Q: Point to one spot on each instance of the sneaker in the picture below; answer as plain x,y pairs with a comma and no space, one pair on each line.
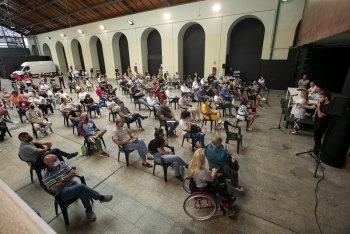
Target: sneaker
240,189
99,116
104,154
91,216
27,121
293,133
144,117
15,122
140,129
249,129
106,198
264,99
72,155
220,122
92,139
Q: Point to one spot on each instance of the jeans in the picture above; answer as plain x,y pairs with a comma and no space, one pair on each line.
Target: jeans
51,101
191,95
142,101
199,136
59,154
22,112
172,126
135,117
98,139
61,80
74,189
138,145
96,108
170,158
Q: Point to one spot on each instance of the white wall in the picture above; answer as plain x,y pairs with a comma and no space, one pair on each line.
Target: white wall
215,25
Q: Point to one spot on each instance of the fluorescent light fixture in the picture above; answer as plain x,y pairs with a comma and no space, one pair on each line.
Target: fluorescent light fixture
216,7
130,22
13,26
48,38
102,27
63,35
284,0
80,31
166,16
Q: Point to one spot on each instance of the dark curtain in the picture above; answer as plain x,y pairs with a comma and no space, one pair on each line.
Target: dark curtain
154,57
124,53
101,60
81,56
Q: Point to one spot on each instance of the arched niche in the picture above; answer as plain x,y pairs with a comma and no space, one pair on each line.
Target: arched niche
47,50
120,47
97,57
151,49
61,56
191,48
244,47
77,54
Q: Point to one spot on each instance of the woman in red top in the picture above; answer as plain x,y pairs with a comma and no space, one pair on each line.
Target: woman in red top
156,89
3,110
22,106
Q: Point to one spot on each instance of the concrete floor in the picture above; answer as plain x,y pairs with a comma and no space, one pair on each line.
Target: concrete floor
279,186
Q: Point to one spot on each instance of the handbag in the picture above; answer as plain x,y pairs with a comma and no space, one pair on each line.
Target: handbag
234,165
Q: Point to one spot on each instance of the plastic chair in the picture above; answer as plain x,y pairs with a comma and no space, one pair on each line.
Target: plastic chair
126,152
34,131
163,164
89,144
234,136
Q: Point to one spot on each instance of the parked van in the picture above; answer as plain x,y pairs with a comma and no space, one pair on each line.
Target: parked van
36,67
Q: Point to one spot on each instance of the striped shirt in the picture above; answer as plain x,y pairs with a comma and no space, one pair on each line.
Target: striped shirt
50,177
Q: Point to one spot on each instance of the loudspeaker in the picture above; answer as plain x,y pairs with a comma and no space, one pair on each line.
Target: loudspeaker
339,104
223,66
336,142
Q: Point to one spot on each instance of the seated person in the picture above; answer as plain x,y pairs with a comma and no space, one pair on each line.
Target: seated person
89,84
137,95
6,97
3,110
29,151
74,115
66,107
100,93
156,89
183,103
253,93
244,115
209,114
88,129
127,115
34,116
207,181
225,94
303,83
153,104
164,114
48,95
208,90
156,147
187,128
170,94
123,136
218,156
90,104
190,94
58,178
22,106
316,95
312,88
3,129
111,104
221,104
42,103
161,95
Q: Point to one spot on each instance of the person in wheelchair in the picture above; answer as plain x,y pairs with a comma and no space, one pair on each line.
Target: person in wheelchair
207,181
220,157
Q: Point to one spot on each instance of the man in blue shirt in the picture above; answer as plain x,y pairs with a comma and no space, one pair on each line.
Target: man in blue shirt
225,94
218,156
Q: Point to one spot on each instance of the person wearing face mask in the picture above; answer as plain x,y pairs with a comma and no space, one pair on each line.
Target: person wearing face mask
58,178
156,147
187,129
164,114
111,104
321,118
34,116
123,136
89,103
42,104
31,151
87,128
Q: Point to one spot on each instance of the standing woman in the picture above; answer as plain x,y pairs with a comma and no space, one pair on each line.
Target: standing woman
298,111
156,147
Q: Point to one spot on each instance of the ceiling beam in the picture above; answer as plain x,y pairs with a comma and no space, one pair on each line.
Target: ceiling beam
64,13
75,12
90,8
127,7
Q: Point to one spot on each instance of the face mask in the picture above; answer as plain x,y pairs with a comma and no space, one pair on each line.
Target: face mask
30,139
56,163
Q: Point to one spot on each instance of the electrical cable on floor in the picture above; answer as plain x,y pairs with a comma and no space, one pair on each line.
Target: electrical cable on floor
318,225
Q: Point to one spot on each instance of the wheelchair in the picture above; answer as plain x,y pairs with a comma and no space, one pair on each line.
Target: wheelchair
202,205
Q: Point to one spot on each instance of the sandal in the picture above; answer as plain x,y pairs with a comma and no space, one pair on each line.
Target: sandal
147,164
150,157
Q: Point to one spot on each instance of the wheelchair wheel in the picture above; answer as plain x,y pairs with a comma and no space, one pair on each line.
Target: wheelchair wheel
200,206
186,185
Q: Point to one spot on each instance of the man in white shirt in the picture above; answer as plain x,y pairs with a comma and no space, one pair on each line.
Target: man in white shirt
303,82
186,90
221,104
202,82
195,85
312,88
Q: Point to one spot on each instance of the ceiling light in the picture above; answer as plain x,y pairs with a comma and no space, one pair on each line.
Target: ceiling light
166,16
102,27
48,37
12,26
216,7
63,35
80,31
284,0
130,22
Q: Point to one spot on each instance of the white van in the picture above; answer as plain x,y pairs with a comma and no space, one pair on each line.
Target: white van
36,67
